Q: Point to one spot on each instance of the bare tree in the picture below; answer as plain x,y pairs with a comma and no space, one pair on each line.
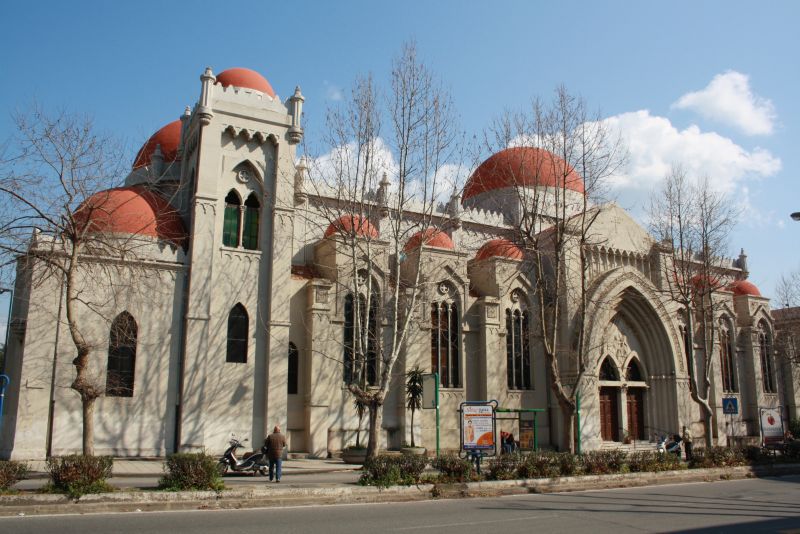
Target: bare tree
383,169
568,156
694,222
52,174
787,319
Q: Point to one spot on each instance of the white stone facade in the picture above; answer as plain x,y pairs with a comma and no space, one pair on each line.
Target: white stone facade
186,396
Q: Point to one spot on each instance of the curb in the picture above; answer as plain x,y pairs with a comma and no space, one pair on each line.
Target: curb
260,497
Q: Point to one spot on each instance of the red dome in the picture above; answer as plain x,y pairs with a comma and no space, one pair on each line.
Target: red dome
131,210
743,287
346,223
433,238
521,166
501,248
700,282
169,137
249,79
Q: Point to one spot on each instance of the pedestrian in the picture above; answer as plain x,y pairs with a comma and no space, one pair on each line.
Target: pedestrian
274,445
687,443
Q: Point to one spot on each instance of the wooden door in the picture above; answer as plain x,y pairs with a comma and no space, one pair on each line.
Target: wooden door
609,417
636,413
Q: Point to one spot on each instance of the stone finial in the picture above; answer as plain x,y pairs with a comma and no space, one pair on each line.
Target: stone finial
206,88
156,163
382,196
295,106
742,263
301,168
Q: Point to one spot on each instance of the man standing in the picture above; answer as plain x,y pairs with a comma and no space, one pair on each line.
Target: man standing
687,443
274,445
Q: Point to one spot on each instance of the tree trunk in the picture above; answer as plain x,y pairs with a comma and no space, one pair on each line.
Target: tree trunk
569,427
412,428
708,421
88,425
374,425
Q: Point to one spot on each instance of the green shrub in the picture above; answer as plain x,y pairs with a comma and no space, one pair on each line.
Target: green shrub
755,455
602,462
76,474
191,471
390,470
452,468
569,464
504,467
794,428
540,464
652,461
717,457
792,450
10,473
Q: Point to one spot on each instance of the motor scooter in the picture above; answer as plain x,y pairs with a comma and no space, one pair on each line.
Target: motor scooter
254,463
673,446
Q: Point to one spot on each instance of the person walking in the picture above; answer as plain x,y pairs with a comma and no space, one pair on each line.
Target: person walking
687,443
274,445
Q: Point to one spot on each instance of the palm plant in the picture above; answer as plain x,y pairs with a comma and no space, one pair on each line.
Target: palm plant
414,394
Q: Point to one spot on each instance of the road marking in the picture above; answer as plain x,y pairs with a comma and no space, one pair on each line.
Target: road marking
471,523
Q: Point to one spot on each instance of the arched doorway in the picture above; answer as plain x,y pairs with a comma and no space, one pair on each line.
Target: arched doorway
609,401
637,388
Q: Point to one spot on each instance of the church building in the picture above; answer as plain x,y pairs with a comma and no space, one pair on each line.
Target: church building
234,323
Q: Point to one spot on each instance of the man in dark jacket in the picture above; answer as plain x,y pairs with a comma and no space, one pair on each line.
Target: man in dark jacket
274,445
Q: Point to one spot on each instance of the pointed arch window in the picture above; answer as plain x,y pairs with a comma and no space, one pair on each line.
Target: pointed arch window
361,339
230,223
608,372
445,346
726,361
292,370
121,356
238,328
252,209
633,372
767,367
518,353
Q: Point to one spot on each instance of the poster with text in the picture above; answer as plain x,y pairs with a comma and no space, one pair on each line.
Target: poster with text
771,423
477,426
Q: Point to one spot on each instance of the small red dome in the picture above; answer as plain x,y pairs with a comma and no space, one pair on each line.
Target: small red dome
433,237
131,210
501,248
249,79
700,282
521,166
743,287
346,224
169,137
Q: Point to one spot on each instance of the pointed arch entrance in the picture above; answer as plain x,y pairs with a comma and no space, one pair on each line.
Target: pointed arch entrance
637,392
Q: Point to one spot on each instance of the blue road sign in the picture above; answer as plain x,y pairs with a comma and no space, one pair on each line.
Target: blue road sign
730,405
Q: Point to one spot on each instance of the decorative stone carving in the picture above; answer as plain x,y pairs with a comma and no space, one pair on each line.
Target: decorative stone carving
321,295
243,176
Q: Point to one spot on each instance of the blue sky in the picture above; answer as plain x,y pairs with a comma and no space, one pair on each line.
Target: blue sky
711,85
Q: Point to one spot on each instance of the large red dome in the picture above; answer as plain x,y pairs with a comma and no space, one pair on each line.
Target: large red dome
250,79
522,166
168,137
131,210
432,237
349,224
500,248
743,287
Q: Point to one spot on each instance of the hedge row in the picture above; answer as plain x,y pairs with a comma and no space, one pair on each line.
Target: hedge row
404,470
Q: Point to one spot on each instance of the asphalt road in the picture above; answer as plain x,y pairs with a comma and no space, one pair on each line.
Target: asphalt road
761,505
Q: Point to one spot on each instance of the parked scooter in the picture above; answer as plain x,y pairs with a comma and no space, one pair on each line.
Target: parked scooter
254,463
673,447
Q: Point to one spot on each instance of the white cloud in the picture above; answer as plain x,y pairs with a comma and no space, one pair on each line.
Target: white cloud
728,99
332,92
655,144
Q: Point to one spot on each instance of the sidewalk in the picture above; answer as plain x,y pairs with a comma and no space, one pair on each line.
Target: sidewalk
154,467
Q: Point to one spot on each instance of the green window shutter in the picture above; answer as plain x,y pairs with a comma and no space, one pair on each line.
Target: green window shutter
250,235
230,226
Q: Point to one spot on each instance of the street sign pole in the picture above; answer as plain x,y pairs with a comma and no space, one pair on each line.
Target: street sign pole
436,378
